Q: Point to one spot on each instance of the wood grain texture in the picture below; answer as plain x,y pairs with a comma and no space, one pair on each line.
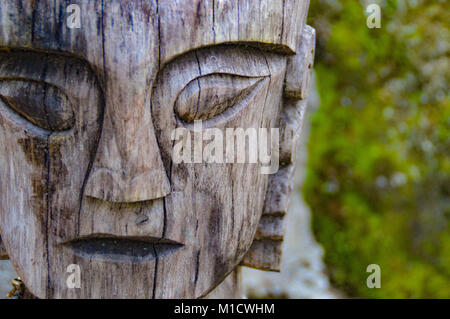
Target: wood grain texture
266,249
42,200
3,253
226,200
86,121
299,67
230,288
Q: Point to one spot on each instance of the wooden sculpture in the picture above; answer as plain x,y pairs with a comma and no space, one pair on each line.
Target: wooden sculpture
86,117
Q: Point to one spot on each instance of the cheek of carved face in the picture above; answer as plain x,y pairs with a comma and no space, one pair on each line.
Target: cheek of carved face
50,117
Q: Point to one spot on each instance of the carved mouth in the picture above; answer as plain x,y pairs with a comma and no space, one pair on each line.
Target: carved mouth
107,248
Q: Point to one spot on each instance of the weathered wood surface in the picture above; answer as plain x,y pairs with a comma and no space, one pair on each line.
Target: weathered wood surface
230,288
266,249
3,253
86,117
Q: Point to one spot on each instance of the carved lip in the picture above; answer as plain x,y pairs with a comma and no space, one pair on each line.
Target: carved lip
122,249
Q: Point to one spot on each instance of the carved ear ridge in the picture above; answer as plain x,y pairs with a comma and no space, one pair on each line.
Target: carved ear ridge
299,66
266,250
295,94
264,255
290,124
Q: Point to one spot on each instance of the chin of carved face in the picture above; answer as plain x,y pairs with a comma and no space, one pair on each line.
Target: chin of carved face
105,193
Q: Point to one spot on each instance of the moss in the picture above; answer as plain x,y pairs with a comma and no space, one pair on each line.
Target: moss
378,168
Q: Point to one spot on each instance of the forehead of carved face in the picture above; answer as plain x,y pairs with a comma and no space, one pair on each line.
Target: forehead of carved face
86,122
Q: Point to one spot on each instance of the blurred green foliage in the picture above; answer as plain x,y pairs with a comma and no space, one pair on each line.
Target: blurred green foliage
378,167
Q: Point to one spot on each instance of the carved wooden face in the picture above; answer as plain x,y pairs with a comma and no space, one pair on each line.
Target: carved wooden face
86,118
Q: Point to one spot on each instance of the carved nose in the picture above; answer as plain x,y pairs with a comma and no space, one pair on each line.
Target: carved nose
128,165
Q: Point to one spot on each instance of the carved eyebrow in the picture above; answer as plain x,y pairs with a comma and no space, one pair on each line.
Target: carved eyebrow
218,59
274,48
58,69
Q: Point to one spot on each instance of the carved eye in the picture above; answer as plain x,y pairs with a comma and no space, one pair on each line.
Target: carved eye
212,95
42,104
